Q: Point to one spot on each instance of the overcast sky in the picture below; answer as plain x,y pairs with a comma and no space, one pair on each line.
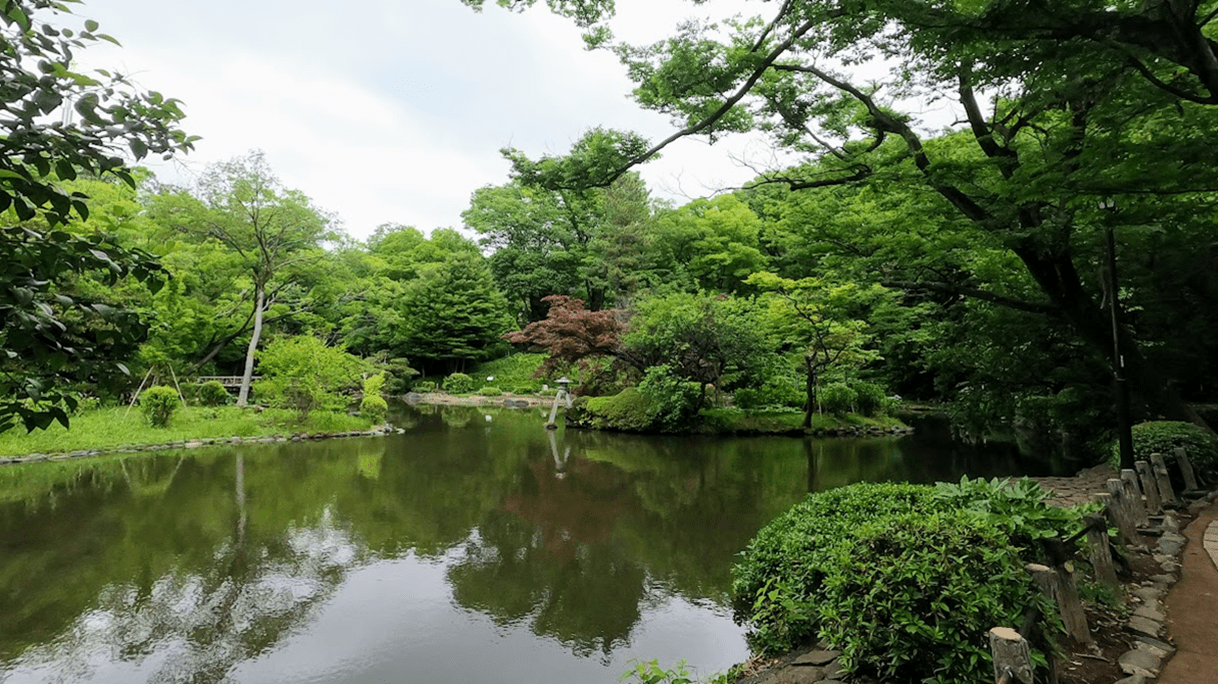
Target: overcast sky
396,112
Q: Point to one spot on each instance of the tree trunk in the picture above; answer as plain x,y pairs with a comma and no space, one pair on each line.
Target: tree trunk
810,391
244,395
1059,280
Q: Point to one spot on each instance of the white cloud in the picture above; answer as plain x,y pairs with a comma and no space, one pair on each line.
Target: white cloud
396,113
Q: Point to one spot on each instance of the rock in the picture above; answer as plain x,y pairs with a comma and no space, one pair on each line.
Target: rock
1152,649
1133,679
1155,643
1150,613
817,657
1148,593
235,440
516,403
1140,625
193,444
1138,662
834,671
1167,579
1172,544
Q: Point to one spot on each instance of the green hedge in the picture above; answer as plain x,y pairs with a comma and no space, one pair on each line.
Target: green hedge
212,393
1164,436
903,579
158,404
459,383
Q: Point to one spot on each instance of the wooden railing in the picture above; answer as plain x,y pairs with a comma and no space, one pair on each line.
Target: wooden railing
226,380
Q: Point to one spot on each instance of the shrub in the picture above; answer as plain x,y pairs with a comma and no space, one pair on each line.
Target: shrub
458,383
836,398
303,374
627,410
212,393
783,567
1164,436
490,392
897,605
673,400
794,579
780,393
159,403
374,408
424,386
870,398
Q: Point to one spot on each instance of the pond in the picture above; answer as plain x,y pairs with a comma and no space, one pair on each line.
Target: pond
476,547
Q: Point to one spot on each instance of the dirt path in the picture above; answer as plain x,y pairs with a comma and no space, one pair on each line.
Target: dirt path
1192,607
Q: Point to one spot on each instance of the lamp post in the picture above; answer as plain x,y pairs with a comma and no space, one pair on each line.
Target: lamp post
1120,386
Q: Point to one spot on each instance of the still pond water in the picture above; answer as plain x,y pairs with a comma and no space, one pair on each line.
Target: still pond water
477,547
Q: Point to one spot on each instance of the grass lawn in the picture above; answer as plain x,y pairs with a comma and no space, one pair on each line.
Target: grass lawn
112,427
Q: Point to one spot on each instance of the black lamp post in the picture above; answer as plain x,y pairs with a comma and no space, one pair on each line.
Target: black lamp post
1120,386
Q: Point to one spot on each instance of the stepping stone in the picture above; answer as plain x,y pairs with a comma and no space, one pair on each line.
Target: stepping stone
817,657
1157,644
1140,625
1150,613
1139,663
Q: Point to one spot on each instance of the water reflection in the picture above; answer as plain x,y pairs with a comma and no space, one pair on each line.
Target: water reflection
579,549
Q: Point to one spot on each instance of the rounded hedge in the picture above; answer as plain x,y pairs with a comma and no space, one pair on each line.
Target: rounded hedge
912,598
212,393
374,408
837,398
489,392
158,404
458,383
1164,436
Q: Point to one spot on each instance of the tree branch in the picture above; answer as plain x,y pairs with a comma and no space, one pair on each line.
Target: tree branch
977,293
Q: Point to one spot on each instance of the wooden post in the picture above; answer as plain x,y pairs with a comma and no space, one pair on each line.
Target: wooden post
1146,476
1165,489
1012,656
1058,584
1133,495
1101,555
550,424
1114,504
1186,468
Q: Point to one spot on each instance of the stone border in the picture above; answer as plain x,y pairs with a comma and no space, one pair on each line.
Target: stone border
197,443
1148,623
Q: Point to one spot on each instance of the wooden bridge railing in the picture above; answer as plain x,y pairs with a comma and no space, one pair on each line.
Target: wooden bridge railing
226,380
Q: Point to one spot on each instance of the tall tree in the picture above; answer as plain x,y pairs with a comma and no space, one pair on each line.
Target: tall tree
1062,105
272,230
453,314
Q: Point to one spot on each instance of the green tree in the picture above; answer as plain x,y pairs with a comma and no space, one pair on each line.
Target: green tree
711,340
1062,106
50,337
272,230
812,318
452,314
303,374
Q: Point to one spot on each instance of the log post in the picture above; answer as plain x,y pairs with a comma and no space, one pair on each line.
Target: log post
1133,496
1118,511
1101,554
1186,469
1058,584
1165,489
1012,656
1146,476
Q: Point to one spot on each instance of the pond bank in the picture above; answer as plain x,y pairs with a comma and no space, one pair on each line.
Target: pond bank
118,430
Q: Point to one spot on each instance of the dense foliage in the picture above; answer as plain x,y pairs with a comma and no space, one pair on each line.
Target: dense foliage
302,373
212,393
1165,436
866,566
158,404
